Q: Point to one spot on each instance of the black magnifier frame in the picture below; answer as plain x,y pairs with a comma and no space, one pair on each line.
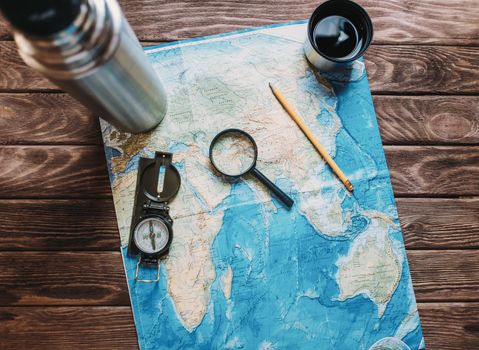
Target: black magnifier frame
283,197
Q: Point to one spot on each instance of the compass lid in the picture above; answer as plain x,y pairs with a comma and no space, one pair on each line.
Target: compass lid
160,179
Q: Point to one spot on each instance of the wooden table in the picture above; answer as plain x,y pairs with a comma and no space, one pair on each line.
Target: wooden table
62,284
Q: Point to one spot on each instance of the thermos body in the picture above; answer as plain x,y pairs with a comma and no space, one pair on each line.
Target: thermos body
99,61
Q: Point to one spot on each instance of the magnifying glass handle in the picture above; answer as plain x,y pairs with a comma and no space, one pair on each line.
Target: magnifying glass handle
283,197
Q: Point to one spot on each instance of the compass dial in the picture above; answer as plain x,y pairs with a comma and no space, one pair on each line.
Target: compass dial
151,235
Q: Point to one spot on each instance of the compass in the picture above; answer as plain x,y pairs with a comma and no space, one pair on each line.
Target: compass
151,231
152,235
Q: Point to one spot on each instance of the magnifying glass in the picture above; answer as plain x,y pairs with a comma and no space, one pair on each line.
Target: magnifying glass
233,153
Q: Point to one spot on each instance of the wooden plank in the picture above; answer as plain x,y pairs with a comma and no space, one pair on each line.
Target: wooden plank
440,275
58,225
80,171
97,278
46,118
53,172
391,69
429,21
99,328
441,223
50,119
434,171
446,326
450,326
62,278
420,22
428,119
15,75
90,224
424,69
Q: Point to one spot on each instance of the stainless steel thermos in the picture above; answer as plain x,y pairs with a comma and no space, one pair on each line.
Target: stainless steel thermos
88,49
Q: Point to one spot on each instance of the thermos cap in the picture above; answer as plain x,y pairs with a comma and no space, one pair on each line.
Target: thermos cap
340,23
40,17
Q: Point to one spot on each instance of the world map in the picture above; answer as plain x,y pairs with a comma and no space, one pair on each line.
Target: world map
243,272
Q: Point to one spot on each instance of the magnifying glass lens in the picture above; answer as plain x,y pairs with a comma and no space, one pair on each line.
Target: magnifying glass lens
233,153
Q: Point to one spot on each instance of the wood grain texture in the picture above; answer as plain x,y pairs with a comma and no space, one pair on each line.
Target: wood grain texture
36,118
53,171
433,171
391,69
428,119
68,225
424,69
46,118
65,328
62,278
450,326
69,290
14,73
447,326
90,224
420,22
442,275
80,171
97,278
395,21
429,223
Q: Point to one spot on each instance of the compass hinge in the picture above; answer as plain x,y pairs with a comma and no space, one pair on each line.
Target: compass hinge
163,206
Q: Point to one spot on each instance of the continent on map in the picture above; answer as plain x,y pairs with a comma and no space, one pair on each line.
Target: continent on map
371,266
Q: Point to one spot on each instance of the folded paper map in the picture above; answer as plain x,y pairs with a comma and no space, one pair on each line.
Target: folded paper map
243,272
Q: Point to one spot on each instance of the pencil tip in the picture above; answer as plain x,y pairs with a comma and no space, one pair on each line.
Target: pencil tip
270,86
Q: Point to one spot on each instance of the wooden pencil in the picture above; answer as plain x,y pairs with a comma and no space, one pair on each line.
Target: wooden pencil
307,132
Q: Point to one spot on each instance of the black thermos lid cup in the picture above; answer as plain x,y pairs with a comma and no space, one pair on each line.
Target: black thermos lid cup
40,17
338,33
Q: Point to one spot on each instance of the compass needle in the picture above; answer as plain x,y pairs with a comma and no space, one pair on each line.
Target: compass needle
152,236
153,241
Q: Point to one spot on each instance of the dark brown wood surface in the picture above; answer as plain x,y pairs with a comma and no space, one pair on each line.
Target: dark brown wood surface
78,278
395,21
56,118
447,326
62,283
405,69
